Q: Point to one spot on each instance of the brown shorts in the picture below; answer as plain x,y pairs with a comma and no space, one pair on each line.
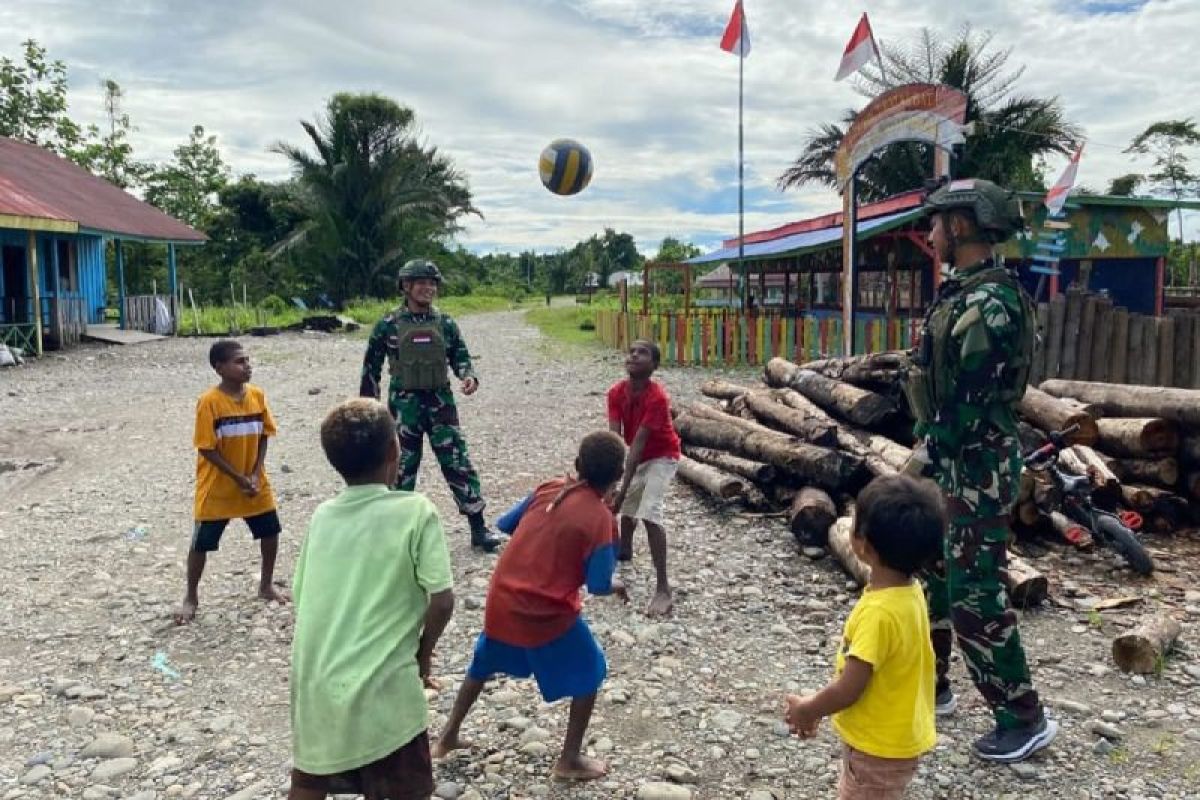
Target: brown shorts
406,774
867,777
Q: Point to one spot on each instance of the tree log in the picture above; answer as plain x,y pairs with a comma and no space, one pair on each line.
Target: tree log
1069,531
1135,361
839,545
1099,470
1189,451
1119,349
1191,485
831,469
722,390
719,484
1028,513
1143,649
860,406
1116,400
792,398
869,371
810,428
1183,350
1155,471
1150,352
1026,586
811,514
755,499
1087,323
881,456
1137,438
1165,332
1054,414
755,471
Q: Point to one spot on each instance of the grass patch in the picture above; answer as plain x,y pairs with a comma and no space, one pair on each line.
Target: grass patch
574,325
237,320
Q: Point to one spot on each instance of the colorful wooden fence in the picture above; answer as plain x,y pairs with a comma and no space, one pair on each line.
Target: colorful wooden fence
729,338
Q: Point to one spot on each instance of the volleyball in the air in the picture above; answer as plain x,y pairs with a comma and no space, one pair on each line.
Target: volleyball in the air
565,167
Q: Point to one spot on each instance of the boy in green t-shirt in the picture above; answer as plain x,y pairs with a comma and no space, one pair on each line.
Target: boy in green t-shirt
373,595
881,698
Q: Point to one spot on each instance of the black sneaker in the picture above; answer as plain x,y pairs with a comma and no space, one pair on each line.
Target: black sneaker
481,536
945,703
1016,744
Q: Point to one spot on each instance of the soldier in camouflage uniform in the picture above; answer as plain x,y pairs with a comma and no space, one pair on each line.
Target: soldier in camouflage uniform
963,384
418,342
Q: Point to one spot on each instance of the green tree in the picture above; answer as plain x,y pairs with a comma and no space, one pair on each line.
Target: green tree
33,102
1168,142
110,155
1011,132
187,187
1125,185
375,196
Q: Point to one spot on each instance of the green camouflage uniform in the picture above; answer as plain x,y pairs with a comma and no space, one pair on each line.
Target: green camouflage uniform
422,412
976,456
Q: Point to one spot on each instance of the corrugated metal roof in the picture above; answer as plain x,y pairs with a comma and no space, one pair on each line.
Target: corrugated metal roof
36,183
808,241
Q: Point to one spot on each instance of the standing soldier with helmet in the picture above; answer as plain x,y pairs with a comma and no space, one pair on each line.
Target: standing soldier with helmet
418,342
962,385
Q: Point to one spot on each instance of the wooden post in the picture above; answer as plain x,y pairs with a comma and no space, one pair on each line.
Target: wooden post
173,281
1087,327
1120,346
1159,284
1195,384
34,286
1070,341
1038,372
1150,349
1054,343
1164,334
1183,350
1101,340
120,285
849,268
56,311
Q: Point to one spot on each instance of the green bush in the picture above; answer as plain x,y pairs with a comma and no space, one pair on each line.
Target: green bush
274,304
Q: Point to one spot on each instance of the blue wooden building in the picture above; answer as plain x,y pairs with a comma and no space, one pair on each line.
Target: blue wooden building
56,220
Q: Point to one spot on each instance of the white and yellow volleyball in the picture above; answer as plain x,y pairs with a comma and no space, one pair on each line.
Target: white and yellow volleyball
565,167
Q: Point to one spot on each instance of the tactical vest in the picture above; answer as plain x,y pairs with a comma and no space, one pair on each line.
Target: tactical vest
927,383
417,354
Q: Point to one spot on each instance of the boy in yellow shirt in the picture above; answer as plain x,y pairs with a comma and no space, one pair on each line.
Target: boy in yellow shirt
882,695
233,425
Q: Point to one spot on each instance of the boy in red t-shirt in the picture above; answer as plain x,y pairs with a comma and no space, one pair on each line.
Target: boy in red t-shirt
640,410
563,537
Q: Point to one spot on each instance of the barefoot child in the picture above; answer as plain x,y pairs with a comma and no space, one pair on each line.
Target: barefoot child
881,698
233,425
564,538
640,410
373,595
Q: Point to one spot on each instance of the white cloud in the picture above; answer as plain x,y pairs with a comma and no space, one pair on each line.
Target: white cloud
642,84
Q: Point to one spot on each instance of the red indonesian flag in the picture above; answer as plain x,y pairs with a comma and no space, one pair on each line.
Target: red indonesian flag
737,35
860,49
1057,196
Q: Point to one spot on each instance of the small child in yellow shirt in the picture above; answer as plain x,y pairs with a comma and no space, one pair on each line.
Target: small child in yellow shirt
882,695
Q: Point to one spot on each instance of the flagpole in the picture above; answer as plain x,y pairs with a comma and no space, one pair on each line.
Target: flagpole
742,168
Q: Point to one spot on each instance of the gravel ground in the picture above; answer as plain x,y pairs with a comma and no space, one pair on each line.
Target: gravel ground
102,697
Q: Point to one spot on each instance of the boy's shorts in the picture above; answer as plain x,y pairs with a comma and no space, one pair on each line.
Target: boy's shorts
206,537
572,665
406,774
867,777
648,490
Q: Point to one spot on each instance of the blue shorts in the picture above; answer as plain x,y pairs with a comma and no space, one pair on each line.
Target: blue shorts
572,665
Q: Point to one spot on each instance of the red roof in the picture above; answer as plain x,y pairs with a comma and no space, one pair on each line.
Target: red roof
36,183
899,202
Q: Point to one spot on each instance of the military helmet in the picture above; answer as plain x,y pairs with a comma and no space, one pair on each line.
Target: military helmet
419,268
997,210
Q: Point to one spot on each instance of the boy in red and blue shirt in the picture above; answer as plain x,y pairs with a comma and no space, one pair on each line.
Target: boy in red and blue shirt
563,538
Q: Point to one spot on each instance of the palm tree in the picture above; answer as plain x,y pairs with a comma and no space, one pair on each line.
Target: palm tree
375,195
1011,132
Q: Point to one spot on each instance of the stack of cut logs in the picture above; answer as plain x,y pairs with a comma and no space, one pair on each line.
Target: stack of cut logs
812,435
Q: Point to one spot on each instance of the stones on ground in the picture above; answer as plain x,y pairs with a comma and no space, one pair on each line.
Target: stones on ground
164,765
762,794
448,790
1025,770
1071,707
663,791
252,792
535,734
535,749
517,723
80,716
681,773
1105,729
81,691
113,768
813,553
108,745
38,774
1103,747
727,720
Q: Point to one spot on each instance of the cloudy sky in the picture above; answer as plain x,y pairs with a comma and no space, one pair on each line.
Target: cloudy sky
641,82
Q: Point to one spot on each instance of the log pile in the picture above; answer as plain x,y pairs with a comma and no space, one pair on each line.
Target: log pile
810,436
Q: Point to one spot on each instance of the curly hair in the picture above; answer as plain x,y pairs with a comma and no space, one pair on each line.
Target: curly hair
356,436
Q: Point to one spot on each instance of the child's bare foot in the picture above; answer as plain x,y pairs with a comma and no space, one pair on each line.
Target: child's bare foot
579,768
661,604
186,612
445,745
270,593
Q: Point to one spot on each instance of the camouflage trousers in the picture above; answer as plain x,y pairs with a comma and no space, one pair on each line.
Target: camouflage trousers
434,413
966,593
